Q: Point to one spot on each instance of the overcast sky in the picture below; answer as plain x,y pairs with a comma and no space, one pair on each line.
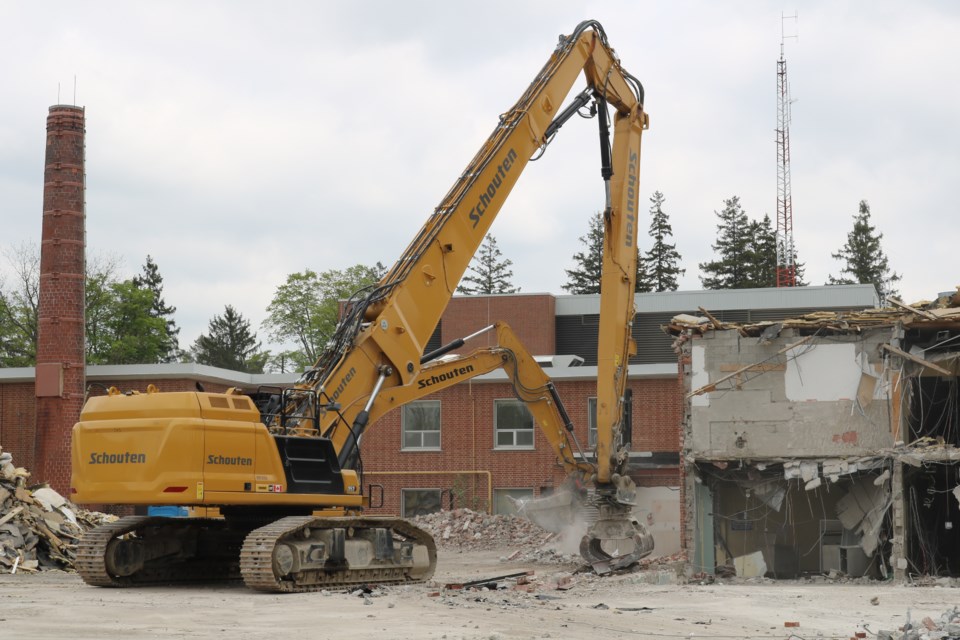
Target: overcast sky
238,142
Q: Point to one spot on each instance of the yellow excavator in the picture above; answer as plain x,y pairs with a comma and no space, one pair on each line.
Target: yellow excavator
287,478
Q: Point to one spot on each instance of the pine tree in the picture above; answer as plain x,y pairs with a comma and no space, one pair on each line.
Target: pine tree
644,282
730,269
488,273
762,254
865,261
585,276
662,263
152,280
229,344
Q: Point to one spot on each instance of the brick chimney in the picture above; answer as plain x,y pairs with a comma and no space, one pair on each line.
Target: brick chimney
60,340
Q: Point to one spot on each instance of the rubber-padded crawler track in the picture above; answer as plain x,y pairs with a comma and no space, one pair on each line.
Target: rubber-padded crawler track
256,556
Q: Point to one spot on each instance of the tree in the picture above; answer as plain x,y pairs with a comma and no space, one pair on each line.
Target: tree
152,280
662,262
488,273
864,259
229,344
19,308
761,255
305,309
585,276
731,268
127,332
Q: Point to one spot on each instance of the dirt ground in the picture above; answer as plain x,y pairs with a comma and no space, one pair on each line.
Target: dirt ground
637,605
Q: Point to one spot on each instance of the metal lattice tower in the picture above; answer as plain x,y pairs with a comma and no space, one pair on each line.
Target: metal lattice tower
786,251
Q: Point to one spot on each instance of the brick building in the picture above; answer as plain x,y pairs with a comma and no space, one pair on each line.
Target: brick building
464,446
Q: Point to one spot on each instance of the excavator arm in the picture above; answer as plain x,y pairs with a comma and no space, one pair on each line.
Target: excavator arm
530,384
379,343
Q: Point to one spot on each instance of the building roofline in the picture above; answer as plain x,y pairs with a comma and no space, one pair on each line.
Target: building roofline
841,296
205,373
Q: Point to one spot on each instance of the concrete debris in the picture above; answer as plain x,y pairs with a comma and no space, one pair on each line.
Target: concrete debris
947,626
464,529
39,528
862,511
750,566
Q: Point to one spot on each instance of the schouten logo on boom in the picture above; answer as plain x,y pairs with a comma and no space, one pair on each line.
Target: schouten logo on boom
450,375
631,197
343,384
487,196
127,457
230,460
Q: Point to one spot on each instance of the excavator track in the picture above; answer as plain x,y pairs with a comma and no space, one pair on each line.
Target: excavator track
143,550
297,554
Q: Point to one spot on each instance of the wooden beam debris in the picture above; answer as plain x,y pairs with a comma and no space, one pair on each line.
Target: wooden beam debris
716,323
920,312
917,359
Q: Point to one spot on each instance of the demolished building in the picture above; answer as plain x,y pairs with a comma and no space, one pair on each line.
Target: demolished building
829,443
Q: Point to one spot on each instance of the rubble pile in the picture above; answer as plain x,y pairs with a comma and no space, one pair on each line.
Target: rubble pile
39,528
948,626
464,529
546,555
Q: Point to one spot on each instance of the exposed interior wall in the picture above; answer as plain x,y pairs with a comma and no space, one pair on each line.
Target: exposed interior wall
827,396
797,531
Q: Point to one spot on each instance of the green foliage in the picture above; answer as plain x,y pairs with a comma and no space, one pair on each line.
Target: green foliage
152,280
730,269
19,304
230,344
125,331
588,269
305,309
488,272
864,260
119,324
587,275
761,255
661,265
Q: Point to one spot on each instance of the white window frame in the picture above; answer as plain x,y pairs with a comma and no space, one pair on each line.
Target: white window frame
592,422
592,425
404,446
497,429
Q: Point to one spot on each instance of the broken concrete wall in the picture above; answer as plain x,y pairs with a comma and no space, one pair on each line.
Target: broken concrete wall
814,396
658,508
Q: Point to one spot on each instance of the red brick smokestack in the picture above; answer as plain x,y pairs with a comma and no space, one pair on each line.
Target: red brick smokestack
60,339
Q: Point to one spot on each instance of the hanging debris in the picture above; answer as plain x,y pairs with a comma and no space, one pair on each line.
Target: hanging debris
39,528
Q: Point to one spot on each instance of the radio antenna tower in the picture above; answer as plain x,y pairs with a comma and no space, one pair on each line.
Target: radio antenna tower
786,251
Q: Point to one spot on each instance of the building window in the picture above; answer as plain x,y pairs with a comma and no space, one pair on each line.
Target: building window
420,425
419,502
591,422
503,500
592,425
512,425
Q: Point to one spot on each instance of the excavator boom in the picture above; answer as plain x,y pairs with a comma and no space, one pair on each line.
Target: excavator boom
288,482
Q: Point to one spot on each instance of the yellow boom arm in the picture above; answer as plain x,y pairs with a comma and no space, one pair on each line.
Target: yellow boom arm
378,344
